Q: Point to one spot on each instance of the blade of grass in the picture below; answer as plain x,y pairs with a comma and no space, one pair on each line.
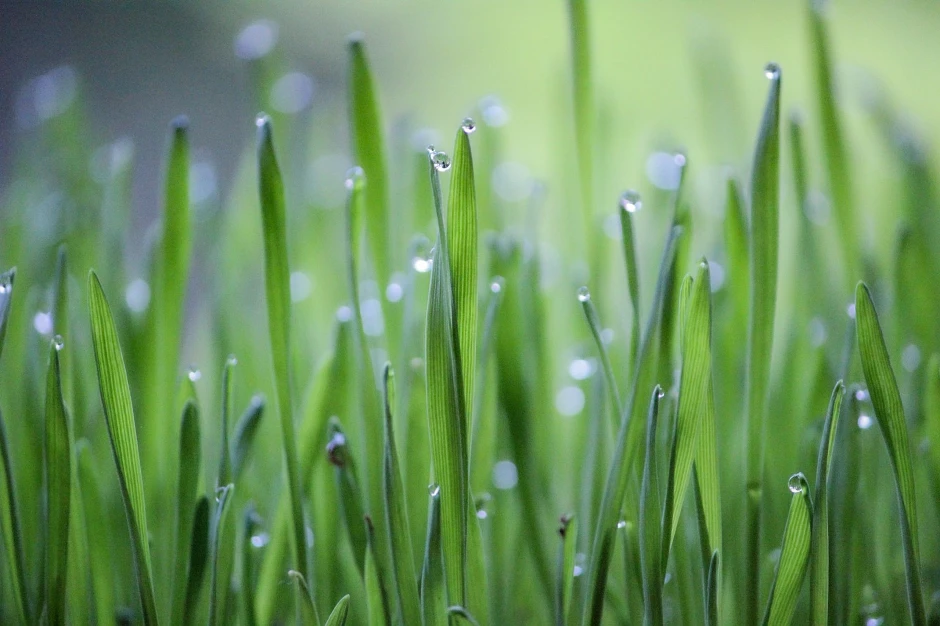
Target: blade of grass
350,494
225,459
397,515
277,297
224,562
889,411
764,240
819,571
198,558
376,599
590,313
630,203
307,612
217,599
190,469
433,591
119,415
250,526
99,546
651,538
340,611
794,556
58,451
245,432
711,591
566,563
584,113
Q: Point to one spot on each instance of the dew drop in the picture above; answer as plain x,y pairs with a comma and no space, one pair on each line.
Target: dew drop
232,360
441,161
772,71
865,421
622,524
580,369
569,401
661,394
260,540
630,201
497,285
468,126
194,374
862,395
58,343
336,450
481,514
394,292
4,287
137,295
256,40
910,357
850,310
42,322
434,490
220,493
796,483
583,294
262,120
355,178
505,475
422,265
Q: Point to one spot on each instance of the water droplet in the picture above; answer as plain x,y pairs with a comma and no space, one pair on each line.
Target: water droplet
796,483
468,126
583,294
481,514
308,535
493,112
300,286
394,292
865,421
220,492
505,475
260,540
193,374
137,295
344,313
630,201
292,93
569,401
58,342
355,178
42,322
580,369
910,357
664,171
622,524
422,265
861,395
232,360
850,310
256,40
441,161
497,285
4,287
262,120
336,449
679,159
578,570
661,394
772,71
434,490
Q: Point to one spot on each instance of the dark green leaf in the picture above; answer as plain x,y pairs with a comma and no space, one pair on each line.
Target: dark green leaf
794,556
58,451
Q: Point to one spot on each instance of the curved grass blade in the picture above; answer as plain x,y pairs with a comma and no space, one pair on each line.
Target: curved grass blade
225,459
368,151
58,489
340,611
307,611
590,313
764,241
245,432
350,494
566,563
277,297
794,556
187,484
376,598
651,538
119,415
397,515
584,113
463,614
711,591
889,411
433,592
216,599
198,558
819,569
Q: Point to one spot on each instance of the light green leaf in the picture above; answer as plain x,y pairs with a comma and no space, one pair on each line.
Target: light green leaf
225,459
340,611
651,539
217,600
629,203
58,453
584,113
119,415
794,556
376,599
245,431
711,591
198,558
190,469
251,522
433,601
307,612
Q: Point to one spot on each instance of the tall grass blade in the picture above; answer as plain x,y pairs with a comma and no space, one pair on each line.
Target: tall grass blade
379,608
764,241
198,558
584,113
307,611
819,569
629,204
711,591
190,469
277,297
246,429
350,493
119,415
889,411
249,528
566,563
594,324
433,591
794,556
651,538
225,458
99,547
58,451
340,611
216,599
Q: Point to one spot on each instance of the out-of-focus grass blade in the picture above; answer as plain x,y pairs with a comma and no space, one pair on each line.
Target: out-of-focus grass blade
10,519
932,416
119,415
58,489
225,459
711,591
217,600
277,297
190,468
889,411
584,113
590,313
836,157
198,558
764,241
250,526
397,515
794,556
819,572
433,600
464,615
340,611
245,431
566,563
378,603
99,564
651,539
308,613
368,151
350,494
630,203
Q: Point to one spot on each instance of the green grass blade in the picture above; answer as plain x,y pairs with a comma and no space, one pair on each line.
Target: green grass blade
397,515
584,113
340,611
225,459
277,297
247,590
794,556
198,559
7,279
566,563
594,323
307,611
119,415
378,602
217,600
58,451
889,411
350,493
464,615
99,546
368,152
630,203
190,469
711,591
819,569
764,241
245,432
433,591
651,538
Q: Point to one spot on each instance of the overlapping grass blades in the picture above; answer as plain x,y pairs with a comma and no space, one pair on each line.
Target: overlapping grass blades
340,611
119,414
58,453
651,529
433,590
889,411
190,467
794,555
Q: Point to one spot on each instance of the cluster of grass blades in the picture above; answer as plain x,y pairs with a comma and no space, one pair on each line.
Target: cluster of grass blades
413,468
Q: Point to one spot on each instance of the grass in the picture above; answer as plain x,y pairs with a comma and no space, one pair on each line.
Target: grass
466,424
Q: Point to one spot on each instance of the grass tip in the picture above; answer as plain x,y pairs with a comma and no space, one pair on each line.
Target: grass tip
180,124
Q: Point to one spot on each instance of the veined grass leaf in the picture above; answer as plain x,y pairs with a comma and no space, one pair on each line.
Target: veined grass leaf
58,451
566,563
340,611
307,611
216,599
397,515
764,241
349,492
190,469
794,556
245,431
119,415
819,570
277,297
198,558
651,538
368,151
376,599
433,592
889,411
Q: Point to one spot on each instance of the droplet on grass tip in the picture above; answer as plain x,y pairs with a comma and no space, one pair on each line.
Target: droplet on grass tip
630,201
468,126
434,490
193,374
497,285
58,343
231,361
772,71
441,161
796,483
583,294
355,178
622,524
336,450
